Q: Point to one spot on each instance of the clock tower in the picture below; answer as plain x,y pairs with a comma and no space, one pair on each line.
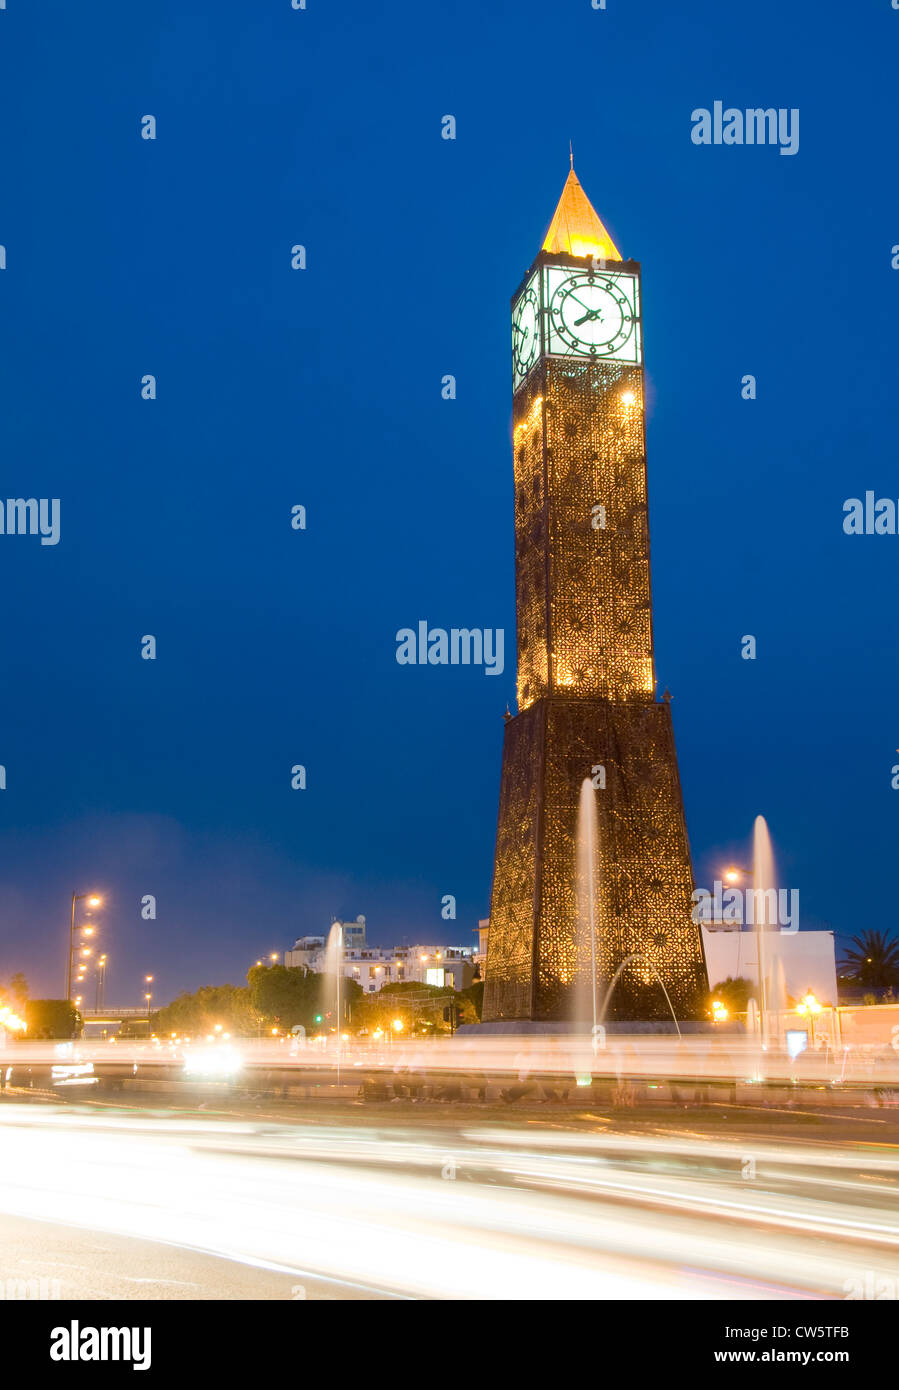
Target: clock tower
586,675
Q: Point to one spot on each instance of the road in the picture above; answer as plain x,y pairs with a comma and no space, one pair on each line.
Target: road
371,1202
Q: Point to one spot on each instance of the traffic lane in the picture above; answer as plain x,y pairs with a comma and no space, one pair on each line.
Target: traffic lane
51,1260
204,1186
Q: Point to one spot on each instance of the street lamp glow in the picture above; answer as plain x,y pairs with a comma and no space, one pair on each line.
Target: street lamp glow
397,1025
93,900
808,1005
720,1012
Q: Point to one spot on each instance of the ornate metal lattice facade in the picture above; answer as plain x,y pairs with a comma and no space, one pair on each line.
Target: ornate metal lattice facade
587,707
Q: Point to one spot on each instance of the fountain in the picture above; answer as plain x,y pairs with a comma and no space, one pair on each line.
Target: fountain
638,955
764,885
586,993
587,1004
334,966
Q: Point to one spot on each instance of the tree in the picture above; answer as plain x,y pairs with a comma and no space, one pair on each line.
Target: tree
872,960
52,1018
734,993
18,990
226,1007
418,1007
285,995
474,997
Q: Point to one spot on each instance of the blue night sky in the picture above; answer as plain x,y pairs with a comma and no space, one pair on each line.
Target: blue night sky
322,387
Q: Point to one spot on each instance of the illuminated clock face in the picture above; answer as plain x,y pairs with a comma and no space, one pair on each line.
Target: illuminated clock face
525,333
592,314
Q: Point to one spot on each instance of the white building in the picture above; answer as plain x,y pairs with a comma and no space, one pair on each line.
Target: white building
480,955
373,967
802,960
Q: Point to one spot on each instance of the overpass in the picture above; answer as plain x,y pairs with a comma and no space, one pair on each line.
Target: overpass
110,1018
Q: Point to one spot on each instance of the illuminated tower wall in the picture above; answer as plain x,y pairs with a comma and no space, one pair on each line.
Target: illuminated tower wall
586,676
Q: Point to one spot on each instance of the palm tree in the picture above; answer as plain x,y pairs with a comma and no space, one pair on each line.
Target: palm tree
872,959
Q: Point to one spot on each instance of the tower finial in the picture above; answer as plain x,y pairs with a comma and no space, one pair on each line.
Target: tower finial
576,228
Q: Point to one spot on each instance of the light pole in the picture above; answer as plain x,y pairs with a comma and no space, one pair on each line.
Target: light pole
92,900
591,881
733,875
339,973
809,1007
148,979
101,983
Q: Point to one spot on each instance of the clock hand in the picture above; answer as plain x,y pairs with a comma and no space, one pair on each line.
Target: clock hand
591,314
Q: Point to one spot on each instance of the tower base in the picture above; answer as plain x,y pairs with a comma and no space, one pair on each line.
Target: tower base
644,881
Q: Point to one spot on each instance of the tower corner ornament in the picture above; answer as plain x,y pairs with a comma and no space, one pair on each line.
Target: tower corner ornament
586,671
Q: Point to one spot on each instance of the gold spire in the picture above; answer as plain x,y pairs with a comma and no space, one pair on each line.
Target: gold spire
576,228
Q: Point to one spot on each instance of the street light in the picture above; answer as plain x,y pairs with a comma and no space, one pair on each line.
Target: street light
92,900
808,1006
